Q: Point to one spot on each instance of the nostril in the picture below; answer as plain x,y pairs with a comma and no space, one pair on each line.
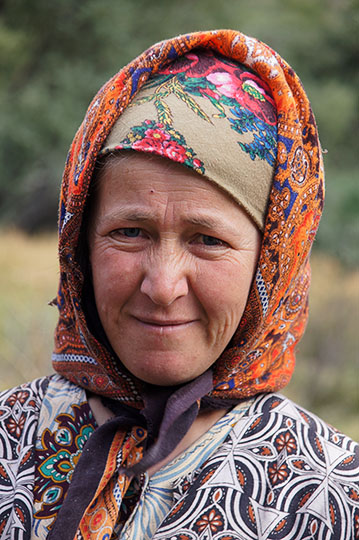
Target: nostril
163,290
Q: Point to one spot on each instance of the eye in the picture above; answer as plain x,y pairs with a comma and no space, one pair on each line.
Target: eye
126,232
130,232
211,240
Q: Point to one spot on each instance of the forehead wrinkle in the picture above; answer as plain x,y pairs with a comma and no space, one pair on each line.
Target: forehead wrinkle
142,215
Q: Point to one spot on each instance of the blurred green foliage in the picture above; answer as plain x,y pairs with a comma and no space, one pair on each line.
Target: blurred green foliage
55,55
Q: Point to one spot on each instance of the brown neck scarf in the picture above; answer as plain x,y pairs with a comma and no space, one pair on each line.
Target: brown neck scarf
260,357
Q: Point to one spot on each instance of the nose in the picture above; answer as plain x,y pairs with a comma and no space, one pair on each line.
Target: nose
165,279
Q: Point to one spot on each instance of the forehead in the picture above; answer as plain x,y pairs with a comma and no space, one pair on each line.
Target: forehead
137,177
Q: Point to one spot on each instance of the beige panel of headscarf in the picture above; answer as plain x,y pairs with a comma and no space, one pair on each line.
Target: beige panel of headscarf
212,115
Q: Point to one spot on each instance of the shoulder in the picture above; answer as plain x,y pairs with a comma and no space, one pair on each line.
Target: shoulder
288,459
280,471
20,408
34,389
21,411
278,406
290,442
272,414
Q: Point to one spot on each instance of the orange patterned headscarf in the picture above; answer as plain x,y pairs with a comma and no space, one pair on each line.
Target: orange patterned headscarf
261,355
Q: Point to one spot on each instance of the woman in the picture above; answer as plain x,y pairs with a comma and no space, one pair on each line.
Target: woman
190,199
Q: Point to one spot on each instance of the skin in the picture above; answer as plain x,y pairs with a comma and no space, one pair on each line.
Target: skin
172,259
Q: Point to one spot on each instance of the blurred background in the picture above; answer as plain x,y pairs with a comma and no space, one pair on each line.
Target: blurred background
53,58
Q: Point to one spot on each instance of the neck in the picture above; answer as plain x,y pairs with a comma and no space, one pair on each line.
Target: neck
203,423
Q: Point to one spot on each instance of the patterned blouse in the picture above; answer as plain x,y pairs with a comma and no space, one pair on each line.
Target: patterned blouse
157,497
267,470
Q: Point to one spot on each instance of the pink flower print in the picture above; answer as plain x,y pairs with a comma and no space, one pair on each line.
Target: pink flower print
174,151
226,84
147,145
158,135
247,90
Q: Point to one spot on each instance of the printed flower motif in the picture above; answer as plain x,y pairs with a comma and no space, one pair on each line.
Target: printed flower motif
158,134
285,441
226,84
211,519
15,427
18,396
190,65
230,89
154,137
277,473
59,454
153,140
101,381
174,151
248,90
147,145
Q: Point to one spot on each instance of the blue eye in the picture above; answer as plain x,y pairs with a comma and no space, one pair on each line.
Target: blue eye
131,232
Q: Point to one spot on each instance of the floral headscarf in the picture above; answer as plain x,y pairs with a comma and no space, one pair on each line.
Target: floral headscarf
214,116
260,357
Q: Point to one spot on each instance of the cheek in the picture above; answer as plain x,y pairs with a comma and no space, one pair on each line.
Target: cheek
114,279
224,292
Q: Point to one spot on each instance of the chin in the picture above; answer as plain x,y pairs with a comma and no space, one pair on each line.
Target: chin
164,379
156,381
164,362
165,369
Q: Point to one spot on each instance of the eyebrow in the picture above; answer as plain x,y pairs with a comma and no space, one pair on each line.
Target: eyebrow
140,215
205,221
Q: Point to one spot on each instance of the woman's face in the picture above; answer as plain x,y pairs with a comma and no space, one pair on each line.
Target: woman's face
172,260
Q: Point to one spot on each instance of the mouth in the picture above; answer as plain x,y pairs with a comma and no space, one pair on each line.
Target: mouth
164,325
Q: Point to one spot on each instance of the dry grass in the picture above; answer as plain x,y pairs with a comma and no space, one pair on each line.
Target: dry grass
326,379
28,281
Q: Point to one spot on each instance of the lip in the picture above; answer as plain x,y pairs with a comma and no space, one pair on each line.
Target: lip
164,325
163,322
